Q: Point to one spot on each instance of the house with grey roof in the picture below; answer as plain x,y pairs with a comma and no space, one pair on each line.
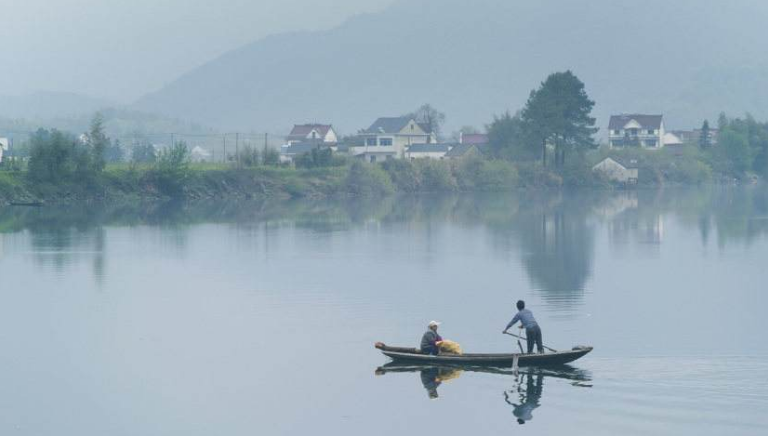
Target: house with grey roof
460,151
427,151
389,138
636,130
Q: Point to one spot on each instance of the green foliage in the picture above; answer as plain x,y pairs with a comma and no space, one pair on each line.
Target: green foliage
508,139
405,175
98,142
742,147
436,176
172,169
114,152
270,157
319,158
56,156
705,136
144,152
366,179
733,155
248,156
475,173
558,113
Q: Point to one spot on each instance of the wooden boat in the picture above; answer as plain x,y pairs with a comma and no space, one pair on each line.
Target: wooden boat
401,354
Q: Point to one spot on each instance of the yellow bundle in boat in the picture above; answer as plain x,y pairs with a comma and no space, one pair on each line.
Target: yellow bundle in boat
450,347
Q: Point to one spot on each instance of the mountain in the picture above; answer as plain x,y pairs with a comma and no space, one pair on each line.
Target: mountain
45,105
688,59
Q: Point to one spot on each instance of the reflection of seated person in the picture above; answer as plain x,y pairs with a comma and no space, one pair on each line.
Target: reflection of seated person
430,378
430,342
529,399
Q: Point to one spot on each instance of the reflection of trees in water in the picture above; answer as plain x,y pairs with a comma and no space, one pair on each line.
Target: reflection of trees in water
557,245
552,232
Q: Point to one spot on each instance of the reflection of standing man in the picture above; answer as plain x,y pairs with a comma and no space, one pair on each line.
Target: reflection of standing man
529,399
430,378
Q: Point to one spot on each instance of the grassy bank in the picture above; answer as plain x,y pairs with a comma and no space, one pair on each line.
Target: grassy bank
351,178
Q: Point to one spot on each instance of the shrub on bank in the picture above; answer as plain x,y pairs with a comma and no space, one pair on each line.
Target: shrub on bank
365,179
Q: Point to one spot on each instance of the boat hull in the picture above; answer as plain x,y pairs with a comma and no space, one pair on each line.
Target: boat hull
399,354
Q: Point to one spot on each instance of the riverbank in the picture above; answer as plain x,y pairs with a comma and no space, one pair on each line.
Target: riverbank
124,182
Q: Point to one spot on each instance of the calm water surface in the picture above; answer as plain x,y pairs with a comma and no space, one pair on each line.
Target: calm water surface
259,318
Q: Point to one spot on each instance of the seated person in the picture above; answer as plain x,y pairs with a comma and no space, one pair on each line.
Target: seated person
430,342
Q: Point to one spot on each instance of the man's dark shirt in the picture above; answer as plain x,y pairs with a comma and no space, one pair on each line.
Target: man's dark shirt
429,339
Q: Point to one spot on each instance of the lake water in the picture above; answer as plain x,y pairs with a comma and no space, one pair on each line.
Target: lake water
260,318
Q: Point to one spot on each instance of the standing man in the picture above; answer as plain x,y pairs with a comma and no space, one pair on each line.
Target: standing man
430,342
532,329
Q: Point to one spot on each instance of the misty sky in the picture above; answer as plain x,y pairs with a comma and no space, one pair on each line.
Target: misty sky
122,49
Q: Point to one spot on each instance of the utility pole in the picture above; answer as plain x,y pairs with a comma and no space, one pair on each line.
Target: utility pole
237,148
266,136
224,138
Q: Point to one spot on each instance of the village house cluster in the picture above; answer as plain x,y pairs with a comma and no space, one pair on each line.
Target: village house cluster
387,138
405,138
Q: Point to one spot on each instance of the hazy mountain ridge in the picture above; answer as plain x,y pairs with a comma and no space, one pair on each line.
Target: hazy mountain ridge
690,60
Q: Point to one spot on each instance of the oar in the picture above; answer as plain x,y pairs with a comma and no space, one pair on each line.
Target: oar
520,337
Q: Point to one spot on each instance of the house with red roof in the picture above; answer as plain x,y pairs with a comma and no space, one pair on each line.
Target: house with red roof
323,133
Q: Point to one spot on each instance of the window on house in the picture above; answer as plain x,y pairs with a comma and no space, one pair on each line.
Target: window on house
651,131
412,127
617,132
650,143
370,141
373,159
385,141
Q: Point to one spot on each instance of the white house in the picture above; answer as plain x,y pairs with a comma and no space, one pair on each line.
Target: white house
312,132
427,151
199,154
618,171
389,138
4,144
636,130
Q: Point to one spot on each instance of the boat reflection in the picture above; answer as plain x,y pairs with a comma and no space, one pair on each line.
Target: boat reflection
527,382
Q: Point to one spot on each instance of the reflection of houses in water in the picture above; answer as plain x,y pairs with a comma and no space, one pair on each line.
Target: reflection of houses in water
627,220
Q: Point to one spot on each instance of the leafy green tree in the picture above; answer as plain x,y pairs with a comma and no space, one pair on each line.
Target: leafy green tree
98,142
51,156
558,113
733,154
509,139
705,139
174,159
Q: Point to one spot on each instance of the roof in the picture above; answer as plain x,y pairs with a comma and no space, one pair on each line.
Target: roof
429,148
302,130
460,150
474,138
389,125
618,122
626,163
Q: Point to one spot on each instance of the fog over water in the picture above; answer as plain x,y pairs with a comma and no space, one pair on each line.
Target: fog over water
260,317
